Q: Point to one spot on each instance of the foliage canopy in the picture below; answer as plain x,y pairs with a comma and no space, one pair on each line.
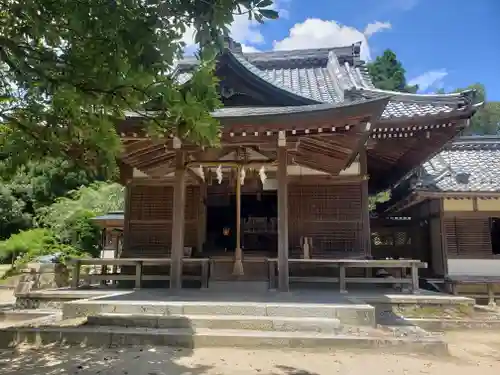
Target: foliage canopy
387,73
70,69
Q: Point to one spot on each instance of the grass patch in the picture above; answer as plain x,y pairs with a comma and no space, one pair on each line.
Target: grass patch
434,311
3,269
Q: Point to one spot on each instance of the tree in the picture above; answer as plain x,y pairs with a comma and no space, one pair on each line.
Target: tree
38,183
13,218
387,73
70,218
487,118
70,69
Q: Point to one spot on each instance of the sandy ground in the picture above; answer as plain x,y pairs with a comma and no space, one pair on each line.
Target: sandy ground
4,268
471,351
6,297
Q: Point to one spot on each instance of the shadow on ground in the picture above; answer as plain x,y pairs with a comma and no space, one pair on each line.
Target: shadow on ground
117,356
51,360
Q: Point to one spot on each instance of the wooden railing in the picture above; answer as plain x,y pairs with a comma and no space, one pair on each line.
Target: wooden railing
138,275
489,281
343,264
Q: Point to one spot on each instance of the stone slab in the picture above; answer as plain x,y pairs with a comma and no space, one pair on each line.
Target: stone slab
454,324
106,337
258,323
360,314
420,299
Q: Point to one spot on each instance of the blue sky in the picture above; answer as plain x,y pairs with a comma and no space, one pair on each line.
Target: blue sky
442,43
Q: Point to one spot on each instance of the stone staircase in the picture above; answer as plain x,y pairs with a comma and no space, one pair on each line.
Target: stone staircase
222,324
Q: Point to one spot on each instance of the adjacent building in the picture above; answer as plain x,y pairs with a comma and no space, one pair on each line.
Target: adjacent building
455,197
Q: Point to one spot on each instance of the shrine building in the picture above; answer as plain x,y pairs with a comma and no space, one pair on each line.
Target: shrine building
306,139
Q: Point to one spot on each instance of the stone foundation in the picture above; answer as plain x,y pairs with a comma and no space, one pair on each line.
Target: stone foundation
36,276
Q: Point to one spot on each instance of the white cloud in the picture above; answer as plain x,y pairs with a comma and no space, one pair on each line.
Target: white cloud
317,33
249,49
432,79
375,27
242,29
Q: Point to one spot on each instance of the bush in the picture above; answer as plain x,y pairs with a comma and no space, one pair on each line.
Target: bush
31,244
31,240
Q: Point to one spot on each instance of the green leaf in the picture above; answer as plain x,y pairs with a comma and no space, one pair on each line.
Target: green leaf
269,13
264,3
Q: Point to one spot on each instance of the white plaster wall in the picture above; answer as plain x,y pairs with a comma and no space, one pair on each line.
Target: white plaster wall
107,254
474,267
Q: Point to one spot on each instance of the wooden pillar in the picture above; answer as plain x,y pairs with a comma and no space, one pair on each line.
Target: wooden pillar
202,218
365,206
126,219
238,252
126,173
283,272
179,201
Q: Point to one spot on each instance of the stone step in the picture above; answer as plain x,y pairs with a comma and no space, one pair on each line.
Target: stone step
195,338
351,314
238,285
258,323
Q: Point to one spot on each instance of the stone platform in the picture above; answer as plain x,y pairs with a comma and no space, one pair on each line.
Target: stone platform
308,319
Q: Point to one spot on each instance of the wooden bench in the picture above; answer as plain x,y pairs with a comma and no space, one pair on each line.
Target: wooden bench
489,281
342,264
138,275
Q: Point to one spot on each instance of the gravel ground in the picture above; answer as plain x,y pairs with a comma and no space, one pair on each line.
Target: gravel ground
471,351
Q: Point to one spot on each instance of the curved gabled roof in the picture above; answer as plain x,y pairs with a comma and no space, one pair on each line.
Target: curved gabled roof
336,75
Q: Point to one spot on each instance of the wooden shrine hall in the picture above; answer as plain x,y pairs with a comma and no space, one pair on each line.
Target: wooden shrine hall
306,137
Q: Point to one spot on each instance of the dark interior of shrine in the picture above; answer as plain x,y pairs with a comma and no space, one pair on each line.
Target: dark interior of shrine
258,223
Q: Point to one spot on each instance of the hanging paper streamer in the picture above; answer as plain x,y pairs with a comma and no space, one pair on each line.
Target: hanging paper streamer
262,174
242,176
218,171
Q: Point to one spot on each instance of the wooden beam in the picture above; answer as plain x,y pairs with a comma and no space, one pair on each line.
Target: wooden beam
283,278
194,176
179,201
360,143
156,161
324,164
137,147
161,171
146,154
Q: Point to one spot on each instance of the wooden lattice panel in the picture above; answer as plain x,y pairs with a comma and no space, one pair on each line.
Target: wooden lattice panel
468,237
330,214
395,239
150,202
150,213
192,202
149,240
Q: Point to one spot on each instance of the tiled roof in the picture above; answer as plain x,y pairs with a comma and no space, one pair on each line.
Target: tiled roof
282,110
334,76
468,164
118,215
